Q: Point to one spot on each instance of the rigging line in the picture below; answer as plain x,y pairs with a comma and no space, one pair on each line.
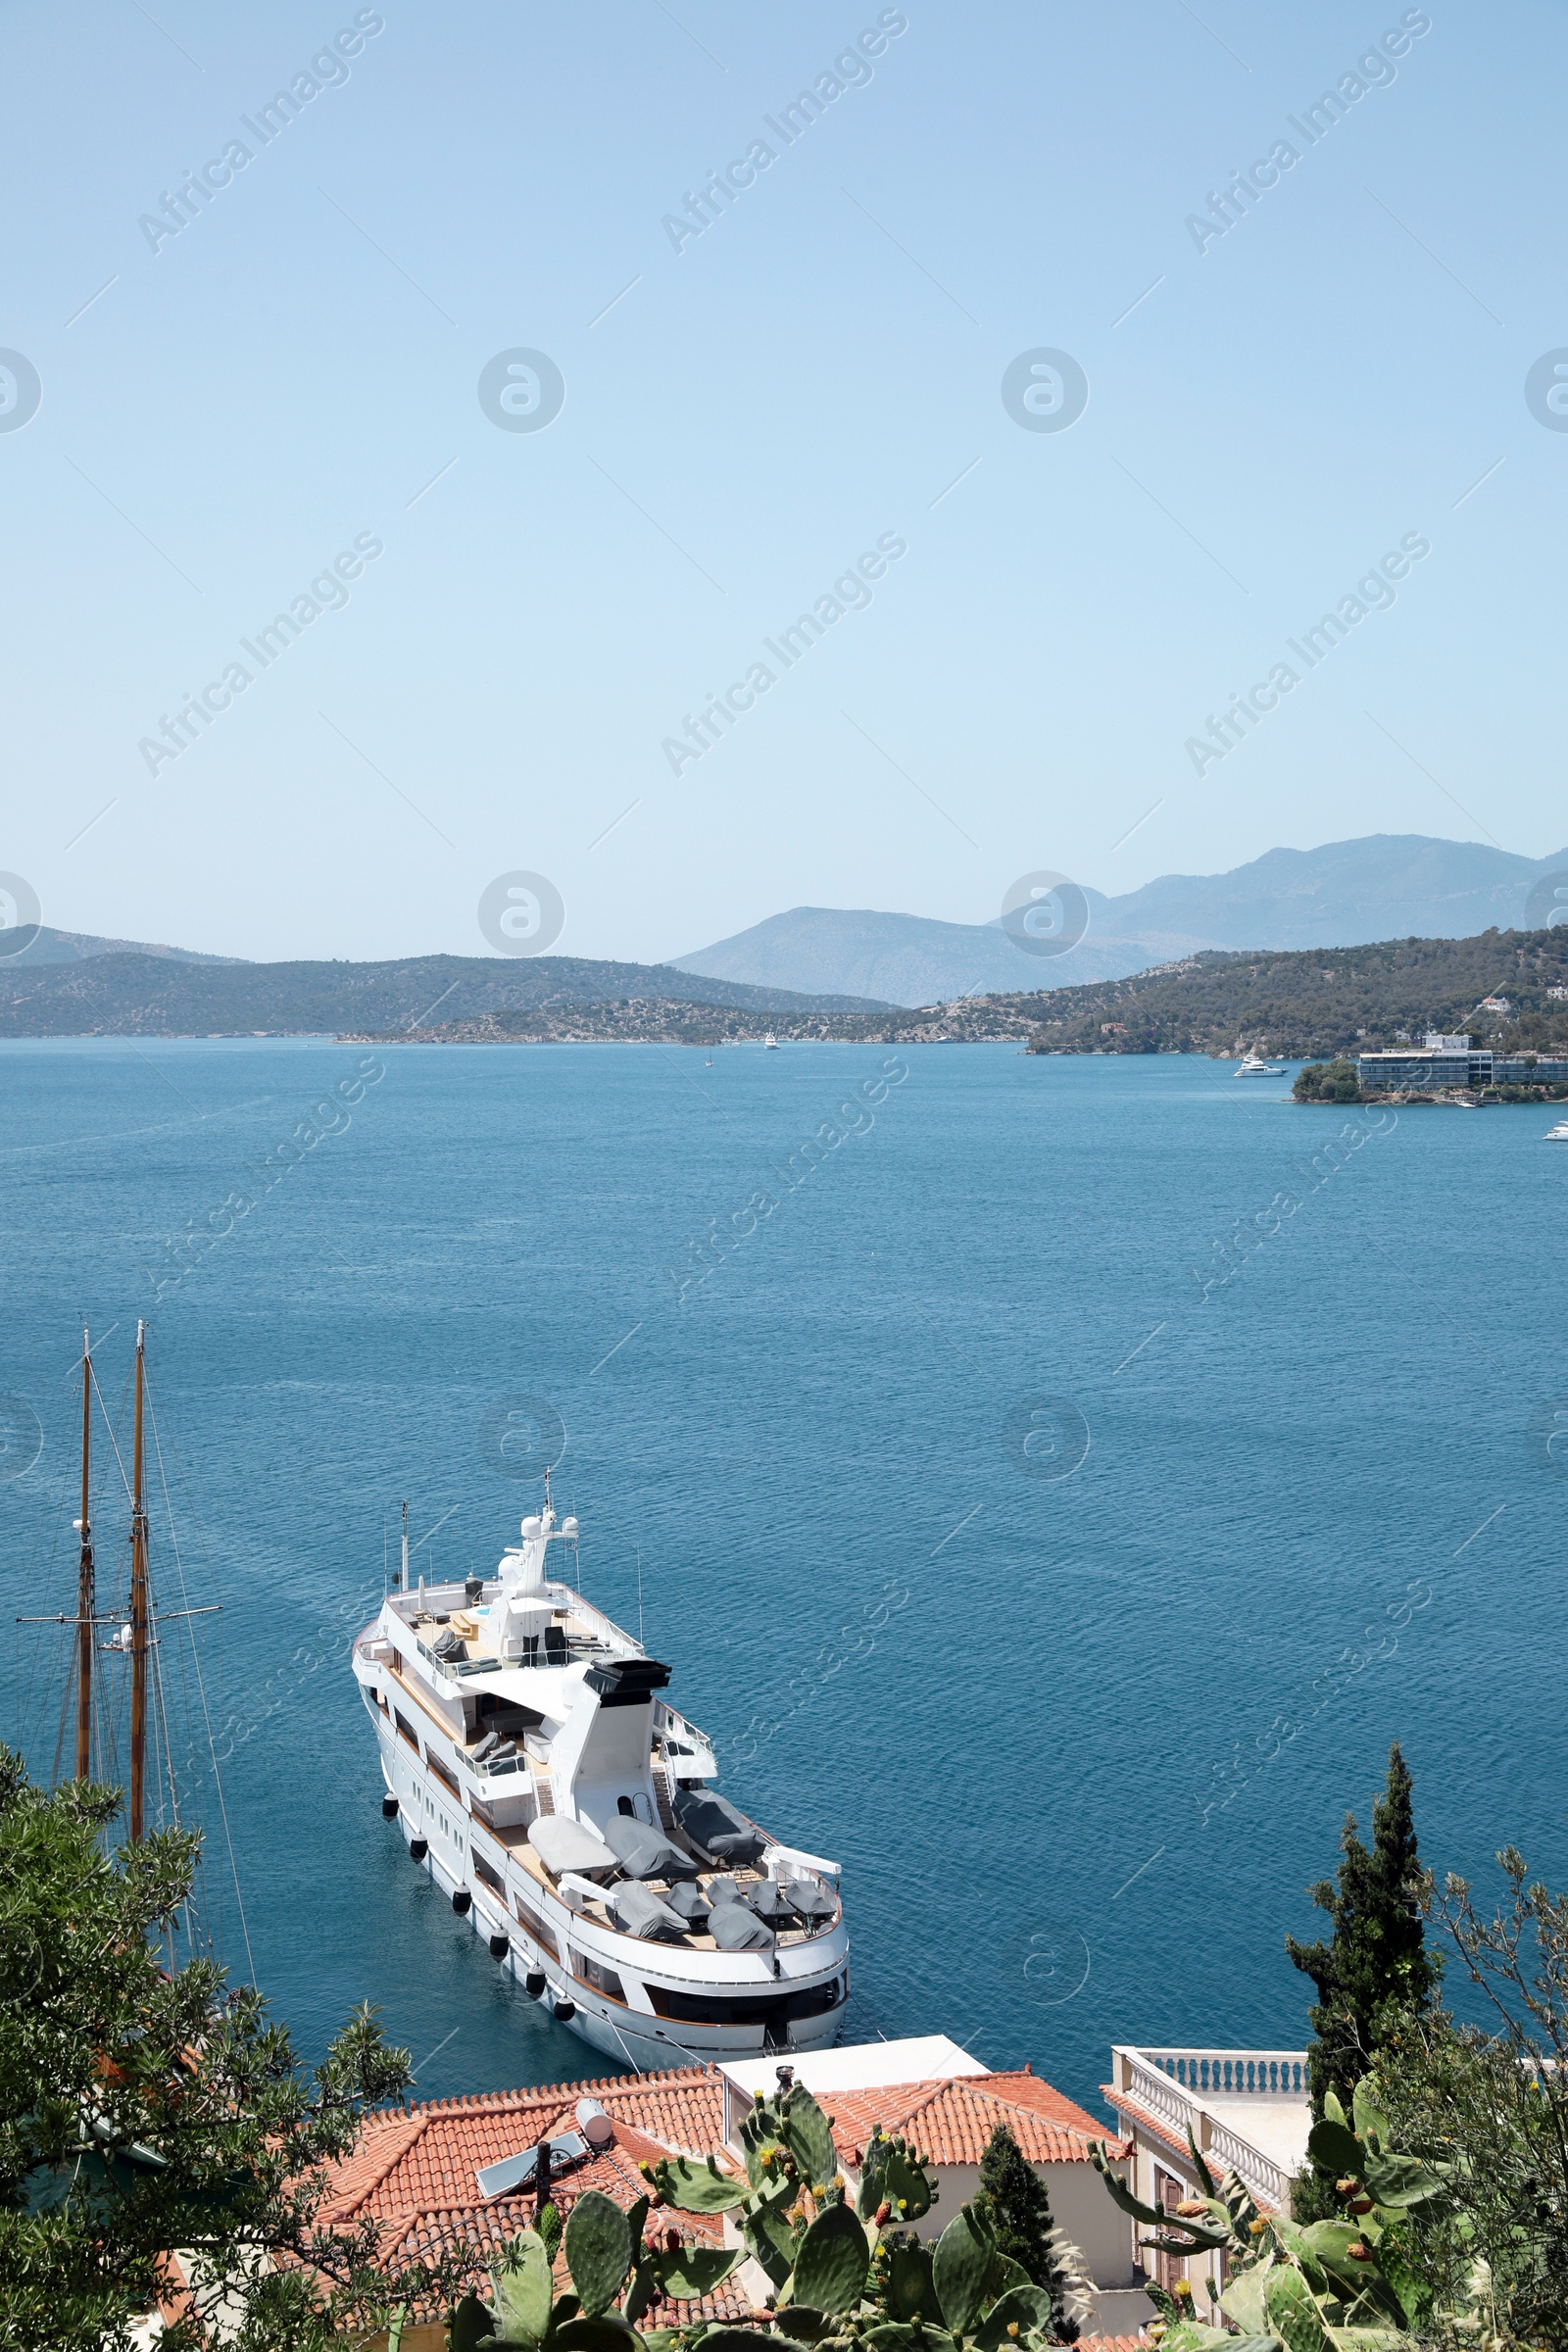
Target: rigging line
200,1687
160,1714
161,1704
108,1426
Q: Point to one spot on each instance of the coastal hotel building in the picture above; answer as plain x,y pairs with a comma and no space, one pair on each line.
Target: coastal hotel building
1449,1062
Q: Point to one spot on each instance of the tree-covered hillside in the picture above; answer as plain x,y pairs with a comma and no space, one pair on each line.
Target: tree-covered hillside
1319,1002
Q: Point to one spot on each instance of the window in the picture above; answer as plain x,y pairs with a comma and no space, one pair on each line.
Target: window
488,1877
765,2009
443,1772
406,1729
603,1979
536,1927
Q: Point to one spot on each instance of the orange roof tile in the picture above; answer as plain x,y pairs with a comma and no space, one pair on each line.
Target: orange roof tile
412,2171
951,2122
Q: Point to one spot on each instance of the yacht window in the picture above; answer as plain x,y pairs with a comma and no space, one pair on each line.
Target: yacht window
603,1979
536,1927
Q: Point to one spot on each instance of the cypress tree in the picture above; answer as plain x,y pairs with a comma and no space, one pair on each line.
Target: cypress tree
1374,1961
1015,2205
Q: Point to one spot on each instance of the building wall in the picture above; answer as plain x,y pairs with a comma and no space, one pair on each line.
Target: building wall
1079,2204
1151,2162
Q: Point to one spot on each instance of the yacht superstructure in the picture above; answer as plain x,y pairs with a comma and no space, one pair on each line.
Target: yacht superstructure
560,1802
1252,1066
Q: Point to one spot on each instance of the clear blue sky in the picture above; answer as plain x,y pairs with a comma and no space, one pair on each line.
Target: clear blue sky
807,376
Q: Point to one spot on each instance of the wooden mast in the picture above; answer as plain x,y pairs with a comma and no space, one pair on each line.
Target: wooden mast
86,1596
139,1613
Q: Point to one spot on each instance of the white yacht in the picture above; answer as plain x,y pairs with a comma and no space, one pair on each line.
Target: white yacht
568,1811
1252,1066
1557,1134
771,1043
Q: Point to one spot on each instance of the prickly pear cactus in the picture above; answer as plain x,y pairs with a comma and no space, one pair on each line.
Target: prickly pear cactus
842,2276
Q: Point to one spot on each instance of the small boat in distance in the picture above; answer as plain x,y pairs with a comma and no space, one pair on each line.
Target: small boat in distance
771,1043
1557,1134
1252,1066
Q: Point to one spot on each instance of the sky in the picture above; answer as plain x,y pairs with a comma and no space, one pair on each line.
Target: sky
1071,563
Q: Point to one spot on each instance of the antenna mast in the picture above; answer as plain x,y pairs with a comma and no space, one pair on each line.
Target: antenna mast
405,1547
86,1596
138,1612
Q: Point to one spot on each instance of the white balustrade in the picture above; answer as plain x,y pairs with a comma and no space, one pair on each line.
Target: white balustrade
1182,2086
1233,2074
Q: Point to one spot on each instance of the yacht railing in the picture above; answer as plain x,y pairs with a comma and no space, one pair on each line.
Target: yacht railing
572,1649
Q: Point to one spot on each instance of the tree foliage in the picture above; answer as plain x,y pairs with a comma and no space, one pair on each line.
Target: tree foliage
145,2108
1015,2205
1494,2102
1328,1082
1374,1961
1310,1003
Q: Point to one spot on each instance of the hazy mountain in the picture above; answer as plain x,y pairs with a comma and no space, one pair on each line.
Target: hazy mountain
1346,894
75,947
909,959
1385,886
145,995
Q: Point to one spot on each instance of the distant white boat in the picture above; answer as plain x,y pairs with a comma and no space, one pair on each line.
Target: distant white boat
1557,1134
1252,1066
771,1043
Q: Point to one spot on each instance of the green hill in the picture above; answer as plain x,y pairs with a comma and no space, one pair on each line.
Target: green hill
144,995
1315,1003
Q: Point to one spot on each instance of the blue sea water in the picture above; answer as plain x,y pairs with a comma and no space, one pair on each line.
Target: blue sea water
1080,1741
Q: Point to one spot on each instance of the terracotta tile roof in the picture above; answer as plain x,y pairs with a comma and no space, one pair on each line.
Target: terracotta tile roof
412,2171
1033,2090
423,2159
951,2122
1114,2343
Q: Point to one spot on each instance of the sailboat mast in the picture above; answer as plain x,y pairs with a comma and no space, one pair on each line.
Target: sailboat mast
86,1600
138,1612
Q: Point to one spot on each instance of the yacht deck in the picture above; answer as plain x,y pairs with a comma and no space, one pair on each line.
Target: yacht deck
516,1840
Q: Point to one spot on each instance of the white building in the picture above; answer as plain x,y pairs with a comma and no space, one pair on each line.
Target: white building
1247,2113
948,2105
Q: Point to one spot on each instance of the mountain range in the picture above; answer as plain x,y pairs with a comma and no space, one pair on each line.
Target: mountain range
1344,894
813,972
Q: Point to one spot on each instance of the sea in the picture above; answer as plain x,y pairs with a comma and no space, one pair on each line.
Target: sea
1053,1483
